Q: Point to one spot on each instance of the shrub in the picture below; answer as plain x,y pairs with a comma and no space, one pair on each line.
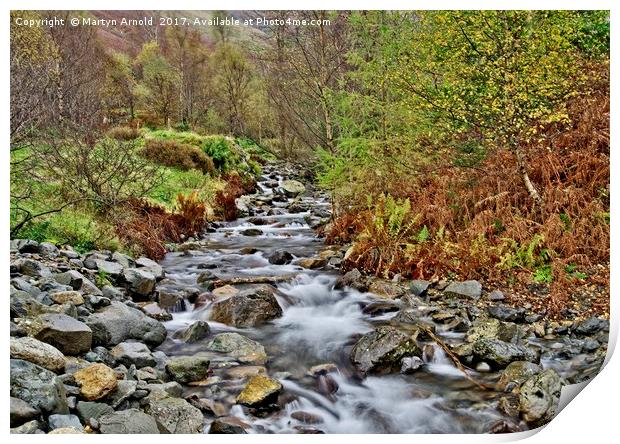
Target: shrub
123,133
236,186
175,154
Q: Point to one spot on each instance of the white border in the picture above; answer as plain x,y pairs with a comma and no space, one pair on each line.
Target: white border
591,418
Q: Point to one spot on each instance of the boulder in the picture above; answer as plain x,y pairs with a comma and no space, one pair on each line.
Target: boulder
591,326
21,412
312,263
490,328
386,289
123,259
132,353
239,347
30,267
281,257
353,279
539,397
517,373
66,430
88,410
77,281
507,313
252,232
57,421
194,332
383,349
151,266
465,289
38,387
139,281
498,354
249,308
117,322
175,415
131,421
108,267
38,352
292,187
261,390
224,426
96,381
67,334
63,297
186,369
418,287
29,428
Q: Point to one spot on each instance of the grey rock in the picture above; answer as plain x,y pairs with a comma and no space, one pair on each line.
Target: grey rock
90,259
496,295
465,289
111,268
239,347
128,421
418,287
410,364
136,353
186,369
30,267
517,373
383,349
28,428
48,249
292,187
139,281
507,313
249,308
62,421
353,279
21,412
87,410
539,397
123,259
37,386
591,326
176,415
151,266
281,257
117,322
67,334
25,245
194,332
124,390
498,354
77,281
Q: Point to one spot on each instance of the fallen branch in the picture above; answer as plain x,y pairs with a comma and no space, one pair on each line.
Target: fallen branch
252,280
456,360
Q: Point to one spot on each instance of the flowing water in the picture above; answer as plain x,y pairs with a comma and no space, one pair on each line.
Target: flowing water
319,325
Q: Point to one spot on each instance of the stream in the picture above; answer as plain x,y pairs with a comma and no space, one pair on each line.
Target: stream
319,326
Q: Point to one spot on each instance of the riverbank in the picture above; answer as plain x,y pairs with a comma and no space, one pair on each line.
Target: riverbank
252,329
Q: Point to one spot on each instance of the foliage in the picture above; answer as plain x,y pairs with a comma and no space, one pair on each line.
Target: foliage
174,154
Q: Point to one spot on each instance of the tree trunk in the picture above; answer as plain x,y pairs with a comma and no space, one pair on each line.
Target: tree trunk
529,186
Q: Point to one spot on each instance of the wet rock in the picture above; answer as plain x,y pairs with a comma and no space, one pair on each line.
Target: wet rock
322,369
249,308
64,421
259,391
195,332
175,415
186,369
380,307
465,289
281,257
153,310
382,350
38,352
418,287
224,426
490,328
498,354
37,386
67,334
410,364
312,263
539,397
21,412
96,381
117,322
386,289
292,187
252,232
591,326
132,353
353,279
306,417
206,276
62,297
88,410
128,421
245,371
507,313
248,250
225,291
139,281
517,373
239,347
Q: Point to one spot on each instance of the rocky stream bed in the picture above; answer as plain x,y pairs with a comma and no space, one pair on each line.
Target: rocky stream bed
253,329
